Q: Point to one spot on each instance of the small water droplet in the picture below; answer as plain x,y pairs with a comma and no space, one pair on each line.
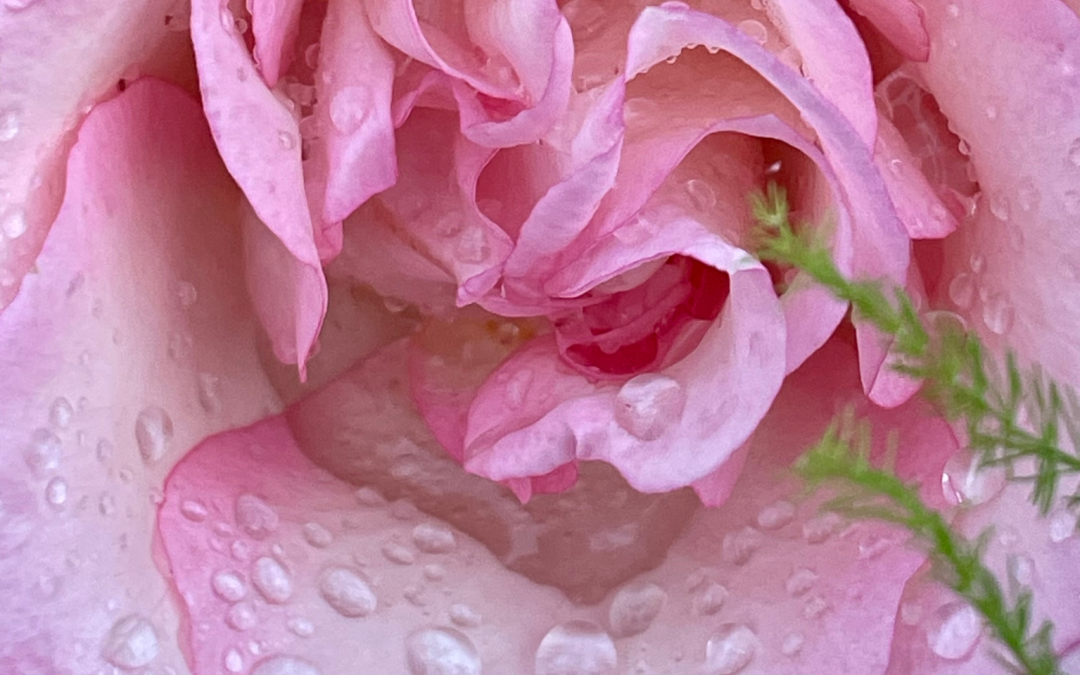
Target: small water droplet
977,263
576,648
730,649
287,140
792,644
815,606
56,491
963,481
1062,526
228,22
132,643
301,627
1027,195
800,581
153,432
434,572
104,450
60,413
241,616
285,665
464,616
368,496
441,651
399,554
953,9
44,451
998,314
954,631
404,510
193,510
316,535
701,193
9,119
710,599
107,504
817,530
234,661
999,206
962,290
739,546
1021,569
471,246
229,586
186,293
272,580
991,112
349,107
255,517
433,538
346,592
634,607
755,29
775,516
648,405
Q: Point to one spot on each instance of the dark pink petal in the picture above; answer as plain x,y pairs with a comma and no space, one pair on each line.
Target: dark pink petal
132,342
259,141
353,157
900,21
60,57
275,24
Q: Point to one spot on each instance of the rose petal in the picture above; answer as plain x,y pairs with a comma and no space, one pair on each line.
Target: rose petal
259,142
132,342
275,24
900,21
59,57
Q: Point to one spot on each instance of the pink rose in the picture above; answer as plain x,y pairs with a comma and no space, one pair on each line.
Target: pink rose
506,247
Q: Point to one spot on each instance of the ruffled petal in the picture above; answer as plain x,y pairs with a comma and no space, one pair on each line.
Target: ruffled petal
132,342
258,139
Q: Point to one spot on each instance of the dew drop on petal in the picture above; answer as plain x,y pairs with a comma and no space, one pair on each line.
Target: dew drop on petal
9,119
56,491
153,432
285,665
131,643
800,581
255,517
1074,153
286,140
346,592
1062,526
964,482
792,644
998,314
14,224
398,553
755,29
776,515
441,651
433,538
576,648
647,405
471,246
241,616
962,290
193,510
999,206
272,580
234,661
317,536
228,586
730,649
301,627
44,451
349,108
739,546
954,630
464,616
701,193
60,413
209,398
818,529
710,598
634,607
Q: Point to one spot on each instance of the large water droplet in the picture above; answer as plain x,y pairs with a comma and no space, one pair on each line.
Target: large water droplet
60,413
346,592
775,516
634,607
739,546
255,517
755,29
153,431
349,108
433,538
964,482
576,648
730,650
56,491
131,643
962,290
647,405
229,586
441,651
272,580
710,599
285,665
44,451
954,631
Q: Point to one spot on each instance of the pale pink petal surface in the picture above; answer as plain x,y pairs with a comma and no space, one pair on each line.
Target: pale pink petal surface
274,23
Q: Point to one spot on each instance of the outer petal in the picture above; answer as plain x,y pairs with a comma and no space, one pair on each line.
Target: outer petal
132,342
259,142
60,57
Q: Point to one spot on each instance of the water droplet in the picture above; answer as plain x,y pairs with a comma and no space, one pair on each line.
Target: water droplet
229,586
301,626
815,606
792,644
193,510
730,650
44,451
241,616
349,108
60,413
991,112
284,665
209,399
286,139
710,599
441,651
576,648
186,293
464,616
228,22
998,314
755,29
106,504
346,592
800,581
1062,526
9,119
434,572
775,516
56,491
368,496
234,661
977,263
131,643
634,607
962,290
316,535
1027,195
399,554
739,546
104,450
433,538
471,246
817,530
1021,569
953,10
954,631
272,580
647,405
999,206
255,517
964,482
153,432
702,194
